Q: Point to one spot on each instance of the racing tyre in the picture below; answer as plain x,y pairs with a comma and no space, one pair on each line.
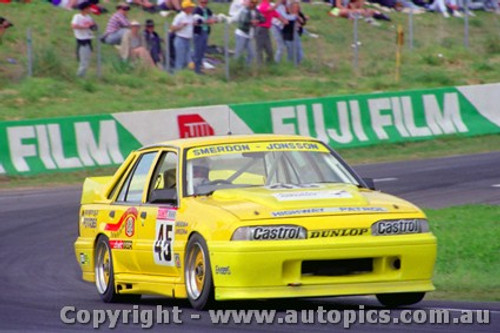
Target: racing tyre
104,275
197,273
399,299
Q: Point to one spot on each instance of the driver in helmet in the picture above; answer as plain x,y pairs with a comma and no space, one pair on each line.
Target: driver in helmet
200,172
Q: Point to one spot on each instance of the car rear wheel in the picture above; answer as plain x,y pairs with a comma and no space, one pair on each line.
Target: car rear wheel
399,299
104,275
197,273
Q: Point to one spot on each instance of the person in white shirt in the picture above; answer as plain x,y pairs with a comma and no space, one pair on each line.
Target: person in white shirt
82,25
182,26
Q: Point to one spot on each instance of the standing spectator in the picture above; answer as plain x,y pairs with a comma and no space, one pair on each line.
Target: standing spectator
118,24
82,23
277,29
133,45
182,26
203,19
153,41
248,19
292,33
262,36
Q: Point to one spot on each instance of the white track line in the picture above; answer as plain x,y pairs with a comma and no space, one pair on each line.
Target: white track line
390,179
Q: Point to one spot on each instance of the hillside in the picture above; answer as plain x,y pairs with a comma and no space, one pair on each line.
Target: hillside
437,59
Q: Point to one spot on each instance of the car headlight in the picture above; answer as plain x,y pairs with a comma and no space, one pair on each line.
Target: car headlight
274,232
400,226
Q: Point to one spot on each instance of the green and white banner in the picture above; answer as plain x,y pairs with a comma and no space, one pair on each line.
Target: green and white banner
74,143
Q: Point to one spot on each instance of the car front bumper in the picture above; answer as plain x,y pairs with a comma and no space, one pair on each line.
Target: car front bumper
273,269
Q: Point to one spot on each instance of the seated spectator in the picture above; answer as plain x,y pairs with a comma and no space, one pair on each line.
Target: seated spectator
248,20
442,6
133,45
169,5
144,4
118,24
4,25
356,8
292,32
153,42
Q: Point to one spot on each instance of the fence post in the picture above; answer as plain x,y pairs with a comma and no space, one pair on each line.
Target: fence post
356,45
226,51
167,49
30,52
99,56
410,28
466,25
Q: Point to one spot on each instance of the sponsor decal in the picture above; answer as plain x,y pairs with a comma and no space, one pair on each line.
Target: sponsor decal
279,232
180,228
130,226
222,270
306,211
89,218
312,195
84,258
118,227
293,146
396,227
177,259
118,244
166,213
193,125
337,232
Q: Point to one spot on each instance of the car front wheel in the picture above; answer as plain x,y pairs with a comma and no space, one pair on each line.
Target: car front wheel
197,273
400,299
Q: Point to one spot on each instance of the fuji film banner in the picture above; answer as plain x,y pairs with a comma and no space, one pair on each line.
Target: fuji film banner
75,143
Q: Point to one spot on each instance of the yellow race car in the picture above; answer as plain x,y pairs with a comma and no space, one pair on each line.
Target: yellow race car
246,217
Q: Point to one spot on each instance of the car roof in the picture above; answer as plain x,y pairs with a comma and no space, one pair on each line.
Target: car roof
214,140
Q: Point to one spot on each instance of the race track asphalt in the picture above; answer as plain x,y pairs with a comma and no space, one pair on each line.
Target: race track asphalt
39,274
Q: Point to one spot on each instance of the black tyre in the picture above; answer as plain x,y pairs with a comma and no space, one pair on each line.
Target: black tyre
104,274
400,299
197,273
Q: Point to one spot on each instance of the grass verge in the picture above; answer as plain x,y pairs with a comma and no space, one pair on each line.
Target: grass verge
467,263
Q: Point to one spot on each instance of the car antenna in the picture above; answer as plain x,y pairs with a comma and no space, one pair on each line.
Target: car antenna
229,121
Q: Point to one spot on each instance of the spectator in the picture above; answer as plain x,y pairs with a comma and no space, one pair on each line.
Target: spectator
262,37
277,29
351,8
182,26
248,19
292,33
442,6
153,42
169,5
118,24
133,45
4,25
82,25
203,18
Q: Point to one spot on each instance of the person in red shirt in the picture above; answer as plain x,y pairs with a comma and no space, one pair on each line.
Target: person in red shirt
262,36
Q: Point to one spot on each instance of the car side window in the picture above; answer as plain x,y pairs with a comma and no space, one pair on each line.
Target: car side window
165,175
136,181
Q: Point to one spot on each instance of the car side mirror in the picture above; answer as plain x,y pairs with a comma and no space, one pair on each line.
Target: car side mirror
168,196
370,183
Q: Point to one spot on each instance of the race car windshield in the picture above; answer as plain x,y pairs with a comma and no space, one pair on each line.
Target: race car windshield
274,165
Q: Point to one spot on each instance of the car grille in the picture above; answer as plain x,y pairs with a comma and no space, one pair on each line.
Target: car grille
337,267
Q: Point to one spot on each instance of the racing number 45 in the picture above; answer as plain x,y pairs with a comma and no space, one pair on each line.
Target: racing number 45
162,247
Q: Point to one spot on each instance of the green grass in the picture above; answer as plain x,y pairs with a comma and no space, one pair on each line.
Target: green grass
467,262
55,91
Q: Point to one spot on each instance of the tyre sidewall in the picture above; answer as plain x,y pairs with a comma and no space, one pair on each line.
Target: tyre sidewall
206,297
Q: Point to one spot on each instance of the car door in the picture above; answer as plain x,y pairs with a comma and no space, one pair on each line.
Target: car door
126,209
155,231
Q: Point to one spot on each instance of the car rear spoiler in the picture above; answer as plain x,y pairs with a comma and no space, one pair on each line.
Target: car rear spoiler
95,189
